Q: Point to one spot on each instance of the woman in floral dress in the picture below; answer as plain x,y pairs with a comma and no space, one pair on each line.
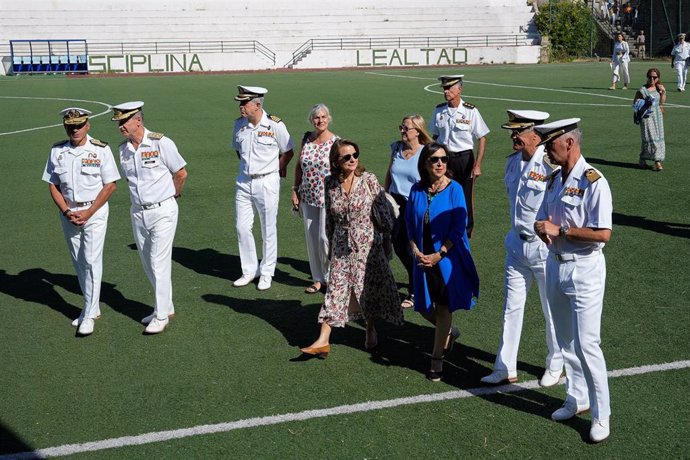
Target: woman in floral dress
652,127
360,283
308,192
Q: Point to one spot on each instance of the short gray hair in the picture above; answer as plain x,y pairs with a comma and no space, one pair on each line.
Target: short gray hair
319,108
576,134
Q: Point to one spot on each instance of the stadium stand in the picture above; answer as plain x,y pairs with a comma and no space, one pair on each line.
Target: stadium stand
272,30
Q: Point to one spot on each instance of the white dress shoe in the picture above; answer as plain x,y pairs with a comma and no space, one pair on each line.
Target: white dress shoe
78,321
264,283
500,377
569,410
157,326
86,327
550,378
147,319
244,280
600,430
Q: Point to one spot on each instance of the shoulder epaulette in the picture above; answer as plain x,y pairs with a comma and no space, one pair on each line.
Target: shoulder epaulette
592,175
59,143
156,136
99,143
548,161
468,105
441,105
275,118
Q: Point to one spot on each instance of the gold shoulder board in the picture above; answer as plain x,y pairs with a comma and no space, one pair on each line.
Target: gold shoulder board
99,143
469,106
592,175
59,143
156,136
275,118
548,162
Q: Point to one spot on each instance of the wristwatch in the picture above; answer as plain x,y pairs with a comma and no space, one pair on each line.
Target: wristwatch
563,231
442,253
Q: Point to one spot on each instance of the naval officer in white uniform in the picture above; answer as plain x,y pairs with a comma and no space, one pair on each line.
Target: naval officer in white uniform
456,125
526,175
264,147
575,221
156,173
81,175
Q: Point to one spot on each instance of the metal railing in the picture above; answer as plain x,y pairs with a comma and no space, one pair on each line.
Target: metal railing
172,47
355,43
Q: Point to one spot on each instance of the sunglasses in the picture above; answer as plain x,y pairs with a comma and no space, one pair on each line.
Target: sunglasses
76,127
434,160
653,77
348,157
404,129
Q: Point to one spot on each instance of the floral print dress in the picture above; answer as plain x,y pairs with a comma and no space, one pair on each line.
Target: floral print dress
358,262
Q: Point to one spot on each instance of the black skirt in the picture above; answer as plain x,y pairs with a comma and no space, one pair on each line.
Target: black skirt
434,279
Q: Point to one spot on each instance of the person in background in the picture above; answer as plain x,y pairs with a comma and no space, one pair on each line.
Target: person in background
526,175
680,54
401,175
445,278
575,222
640,41
652,126
308,192
156,174
619,62
360,282
456,125
81,175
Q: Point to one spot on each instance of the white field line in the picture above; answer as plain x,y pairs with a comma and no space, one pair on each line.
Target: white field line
628,100
108,107
199,430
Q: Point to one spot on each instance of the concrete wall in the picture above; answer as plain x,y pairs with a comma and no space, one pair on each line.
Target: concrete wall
282,26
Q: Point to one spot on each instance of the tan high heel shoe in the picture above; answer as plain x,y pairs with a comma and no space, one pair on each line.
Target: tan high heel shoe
319,352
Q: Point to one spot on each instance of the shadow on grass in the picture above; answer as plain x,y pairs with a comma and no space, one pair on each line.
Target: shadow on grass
11,443
38,286
210,262
617,164
407,346
666,228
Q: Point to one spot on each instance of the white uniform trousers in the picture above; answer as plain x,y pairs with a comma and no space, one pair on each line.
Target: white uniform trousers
261,193
317,241
154,231
85,245
681,73
525,262
576,298
620,72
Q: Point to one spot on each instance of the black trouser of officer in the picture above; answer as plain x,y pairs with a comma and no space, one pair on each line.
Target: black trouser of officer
461,164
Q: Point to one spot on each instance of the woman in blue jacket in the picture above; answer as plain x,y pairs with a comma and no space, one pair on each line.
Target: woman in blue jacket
444,276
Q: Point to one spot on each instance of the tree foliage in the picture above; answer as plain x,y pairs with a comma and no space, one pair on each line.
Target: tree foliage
568,25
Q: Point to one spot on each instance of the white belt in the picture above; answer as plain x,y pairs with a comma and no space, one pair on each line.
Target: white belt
80,204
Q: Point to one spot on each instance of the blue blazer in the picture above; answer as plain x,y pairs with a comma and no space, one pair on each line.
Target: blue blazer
448,221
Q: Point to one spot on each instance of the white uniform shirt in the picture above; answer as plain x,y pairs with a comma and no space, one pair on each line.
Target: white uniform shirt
260,146
680,52
457,129
149,169
578,203
80,172
526,183
621,52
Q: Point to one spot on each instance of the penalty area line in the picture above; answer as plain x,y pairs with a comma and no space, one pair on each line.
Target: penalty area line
160,436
